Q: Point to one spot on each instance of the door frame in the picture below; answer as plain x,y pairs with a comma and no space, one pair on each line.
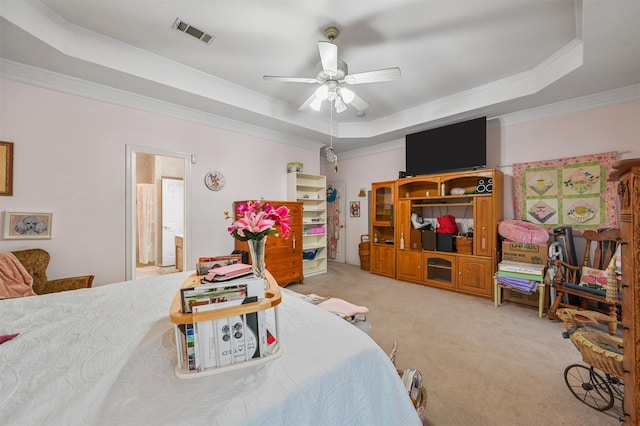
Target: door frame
130,202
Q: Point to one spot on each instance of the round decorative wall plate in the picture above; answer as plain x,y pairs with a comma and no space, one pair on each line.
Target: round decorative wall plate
214,180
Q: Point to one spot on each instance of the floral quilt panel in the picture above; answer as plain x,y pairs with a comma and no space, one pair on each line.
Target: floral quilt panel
567,192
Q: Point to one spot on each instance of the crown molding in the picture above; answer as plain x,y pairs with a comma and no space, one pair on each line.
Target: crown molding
583,103
63,83
75,86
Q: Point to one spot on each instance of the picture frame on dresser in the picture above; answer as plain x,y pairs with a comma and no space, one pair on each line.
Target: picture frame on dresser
6,168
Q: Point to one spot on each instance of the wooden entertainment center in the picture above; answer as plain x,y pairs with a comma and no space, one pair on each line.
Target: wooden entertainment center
477,205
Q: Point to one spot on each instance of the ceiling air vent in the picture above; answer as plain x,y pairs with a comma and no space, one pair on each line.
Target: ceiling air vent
186,28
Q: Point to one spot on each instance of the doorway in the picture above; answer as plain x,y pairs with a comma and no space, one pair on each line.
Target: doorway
156,205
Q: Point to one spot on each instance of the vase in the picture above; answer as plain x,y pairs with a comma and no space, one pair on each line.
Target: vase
256,249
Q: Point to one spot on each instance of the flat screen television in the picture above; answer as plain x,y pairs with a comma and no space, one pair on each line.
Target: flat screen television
458,146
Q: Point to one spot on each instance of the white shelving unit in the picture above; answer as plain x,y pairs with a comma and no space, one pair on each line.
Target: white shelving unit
311,191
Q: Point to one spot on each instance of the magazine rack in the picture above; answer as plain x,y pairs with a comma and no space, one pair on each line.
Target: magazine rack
272,298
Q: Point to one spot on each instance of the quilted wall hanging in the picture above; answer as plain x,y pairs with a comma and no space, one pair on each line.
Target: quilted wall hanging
567,192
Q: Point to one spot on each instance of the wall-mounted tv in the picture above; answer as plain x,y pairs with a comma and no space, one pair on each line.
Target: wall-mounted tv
458,146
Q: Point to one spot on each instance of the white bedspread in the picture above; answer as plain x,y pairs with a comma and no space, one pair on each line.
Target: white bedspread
106,356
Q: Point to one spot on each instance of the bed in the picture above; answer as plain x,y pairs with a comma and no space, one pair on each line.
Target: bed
106,356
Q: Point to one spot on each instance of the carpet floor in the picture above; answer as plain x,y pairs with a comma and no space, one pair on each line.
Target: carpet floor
481,365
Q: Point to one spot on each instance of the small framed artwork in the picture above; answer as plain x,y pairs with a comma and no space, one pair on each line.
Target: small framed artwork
6,168
354,208
27,226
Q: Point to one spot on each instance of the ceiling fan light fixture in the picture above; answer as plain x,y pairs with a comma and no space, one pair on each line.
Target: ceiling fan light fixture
347,95
340,105
316,104
322,92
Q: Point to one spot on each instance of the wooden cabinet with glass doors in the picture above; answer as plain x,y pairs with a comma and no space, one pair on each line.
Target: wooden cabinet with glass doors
382,251
476,203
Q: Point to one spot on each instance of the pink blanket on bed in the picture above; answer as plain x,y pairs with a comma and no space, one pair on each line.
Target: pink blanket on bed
15,281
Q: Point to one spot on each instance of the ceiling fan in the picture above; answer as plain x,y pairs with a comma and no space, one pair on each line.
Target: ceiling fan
333,77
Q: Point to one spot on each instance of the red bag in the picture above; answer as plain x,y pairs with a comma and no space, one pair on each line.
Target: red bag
447,225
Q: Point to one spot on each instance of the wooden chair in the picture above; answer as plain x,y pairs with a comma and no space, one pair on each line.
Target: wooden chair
600,248
35,261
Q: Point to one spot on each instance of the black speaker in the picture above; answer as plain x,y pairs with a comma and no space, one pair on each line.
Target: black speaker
402,175
485,186
445,242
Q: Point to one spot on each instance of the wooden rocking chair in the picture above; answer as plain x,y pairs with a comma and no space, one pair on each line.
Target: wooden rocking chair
600,248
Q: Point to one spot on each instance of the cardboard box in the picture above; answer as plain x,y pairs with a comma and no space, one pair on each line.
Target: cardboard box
528,253
525,299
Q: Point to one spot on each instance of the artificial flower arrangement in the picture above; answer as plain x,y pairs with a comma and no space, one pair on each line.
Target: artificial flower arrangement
257,219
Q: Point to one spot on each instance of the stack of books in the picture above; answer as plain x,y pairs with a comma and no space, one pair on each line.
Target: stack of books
520,275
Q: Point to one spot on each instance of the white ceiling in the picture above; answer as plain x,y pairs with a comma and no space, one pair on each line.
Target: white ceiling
459,58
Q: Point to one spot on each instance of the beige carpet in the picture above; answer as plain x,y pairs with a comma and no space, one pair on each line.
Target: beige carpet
481,365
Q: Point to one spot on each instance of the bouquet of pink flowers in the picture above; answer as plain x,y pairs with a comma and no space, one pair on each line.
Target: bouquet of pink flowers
257,219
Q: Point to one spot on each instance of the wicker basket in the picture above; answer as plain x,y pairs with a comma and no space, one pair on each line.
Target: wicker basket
600,351
464,245
421,401
364,249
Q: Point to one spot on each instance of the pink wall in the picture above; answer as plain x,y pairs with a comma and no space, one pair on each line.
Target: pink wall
610,128
70,161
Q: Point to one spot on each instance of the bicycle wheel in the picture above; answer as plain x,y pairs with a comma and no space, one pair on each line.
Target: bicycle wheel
588,386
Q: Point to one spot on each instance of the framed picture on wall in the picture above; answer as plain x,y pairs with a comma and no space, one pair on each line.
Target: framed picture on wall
354,208
6,168
27,226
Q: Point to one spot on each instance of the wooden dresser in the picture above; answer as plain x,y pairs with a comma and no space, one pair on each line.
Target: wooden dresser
627,173
283,258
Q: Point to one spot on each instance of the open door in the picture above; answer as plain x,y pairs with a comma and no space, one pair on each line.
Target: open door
172,218
146,242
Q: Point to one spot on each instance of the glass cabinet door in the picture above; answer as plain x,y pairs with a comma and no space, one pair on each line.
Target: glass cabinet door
383,210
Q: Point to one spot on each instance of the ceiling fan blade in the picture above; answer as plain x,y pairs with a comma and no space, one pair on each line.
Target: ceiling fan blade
387,74
291,79
328,57
359,103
